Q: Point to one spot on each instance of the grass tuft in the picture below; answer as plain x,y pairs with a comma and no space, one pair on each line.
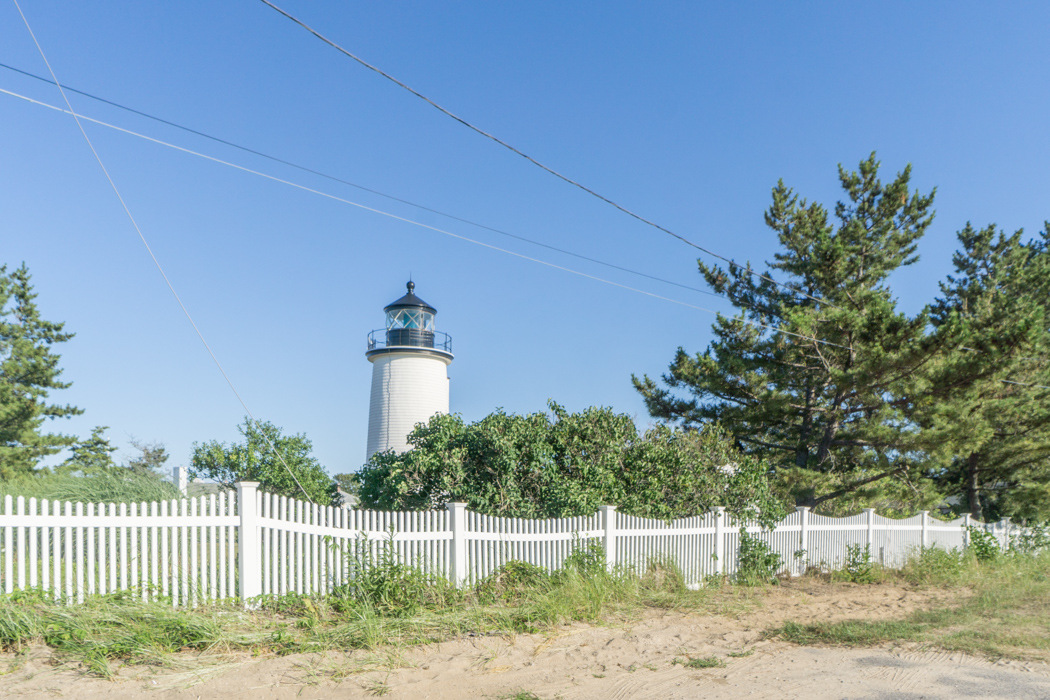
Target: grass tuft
1003,609
702,662
389,604
997,607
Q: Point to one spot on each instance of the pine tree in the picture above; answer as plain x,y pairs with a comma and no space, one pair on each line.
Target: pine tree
809,373
150,458
988,424
28,373
90,456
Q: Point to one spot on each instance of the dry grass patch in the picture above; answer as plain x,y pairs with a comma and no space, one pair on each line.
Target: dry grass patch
999,608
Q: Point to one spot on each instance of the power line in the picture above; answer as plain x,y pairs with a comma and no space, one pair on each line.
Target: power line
555,173
156,262
342,181
406,220
548,169
426,226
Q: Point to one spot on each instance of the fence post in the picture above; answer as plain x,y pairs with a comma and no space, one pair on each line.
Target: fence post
803,537
180,476
925,529
966,524
609,539
871,529
1006,534
9,548
458,561
248,550
720,540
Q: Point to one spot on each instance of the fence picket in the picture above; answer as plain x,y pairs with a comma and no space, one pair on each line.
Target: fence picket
154,555
187,550
266,534
48,544
110,551
221,591
143,581
34,539
92,541
78,552
9,554
315,550
20,538
233,510
122,544
211,548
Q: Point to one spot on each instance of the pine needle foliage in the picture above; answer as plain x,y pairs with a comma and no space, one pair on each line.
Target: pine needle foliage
29,372
855,403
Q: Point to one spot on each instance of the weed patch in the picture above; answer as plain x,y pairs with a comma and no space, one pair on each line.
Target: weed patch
757,564
702,662
1006,612
386,604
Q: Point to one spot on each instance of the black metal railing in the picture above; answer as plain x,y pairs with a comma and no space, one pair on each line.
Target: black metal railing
409,338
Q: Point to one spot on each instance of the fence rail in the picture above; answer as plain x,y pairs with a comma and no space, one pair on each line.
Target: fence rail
248,543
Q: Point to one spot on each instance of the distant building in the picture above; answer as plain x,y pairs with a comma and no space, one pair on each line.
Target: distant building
410,360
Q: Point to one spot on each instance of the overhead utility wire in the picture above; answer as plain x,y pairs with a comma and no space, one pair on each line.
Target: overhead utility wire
555,173
361,187
425,226
432,228
404,220
150,251
409,221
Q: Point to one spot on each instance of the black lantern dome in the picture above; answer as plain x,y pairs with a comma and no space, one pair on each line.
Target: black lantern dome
410,323
410,301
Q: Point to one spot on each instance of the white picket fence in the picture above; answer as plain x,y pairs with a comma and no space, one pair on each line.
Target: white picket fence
248,543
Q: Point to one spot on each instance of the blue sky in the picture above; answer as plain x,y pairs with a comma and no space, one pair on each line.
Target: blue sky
688,113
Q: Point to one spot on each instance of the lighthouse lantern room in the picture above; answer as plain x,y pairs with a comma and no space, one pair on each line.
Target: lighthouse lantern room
409,373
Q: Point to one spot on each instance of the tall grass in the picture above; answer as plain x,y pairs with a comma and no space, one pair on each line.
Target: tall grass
117,627
1002,608
116,485
107,631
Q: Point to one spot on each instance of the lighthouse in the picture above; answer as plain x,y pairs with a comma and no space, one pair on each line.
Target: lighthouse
410,362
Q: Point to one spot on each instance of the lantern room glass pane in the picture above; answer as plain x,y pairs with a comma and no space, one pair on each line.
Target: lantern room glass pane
414,319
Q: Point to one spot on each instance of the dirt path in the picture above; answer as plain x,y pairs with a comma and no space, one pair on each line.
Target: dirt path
612,662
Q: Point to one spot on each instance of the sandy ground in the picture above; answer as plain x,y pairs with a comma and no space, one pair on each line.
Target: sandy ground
629,660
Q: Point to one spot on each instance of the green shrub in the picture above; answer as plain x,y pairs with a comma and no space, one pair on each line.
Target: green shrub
935,566
378,579
756,563
858,566
983,544
587,558
1031,540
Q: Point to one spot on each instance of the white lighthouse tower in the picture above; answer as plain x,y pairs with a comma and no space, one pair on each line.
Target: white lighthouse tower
409,373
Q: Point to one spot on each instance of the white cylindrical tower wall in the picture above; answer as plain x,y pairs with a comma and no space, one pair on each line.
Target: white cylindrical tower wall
407,388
